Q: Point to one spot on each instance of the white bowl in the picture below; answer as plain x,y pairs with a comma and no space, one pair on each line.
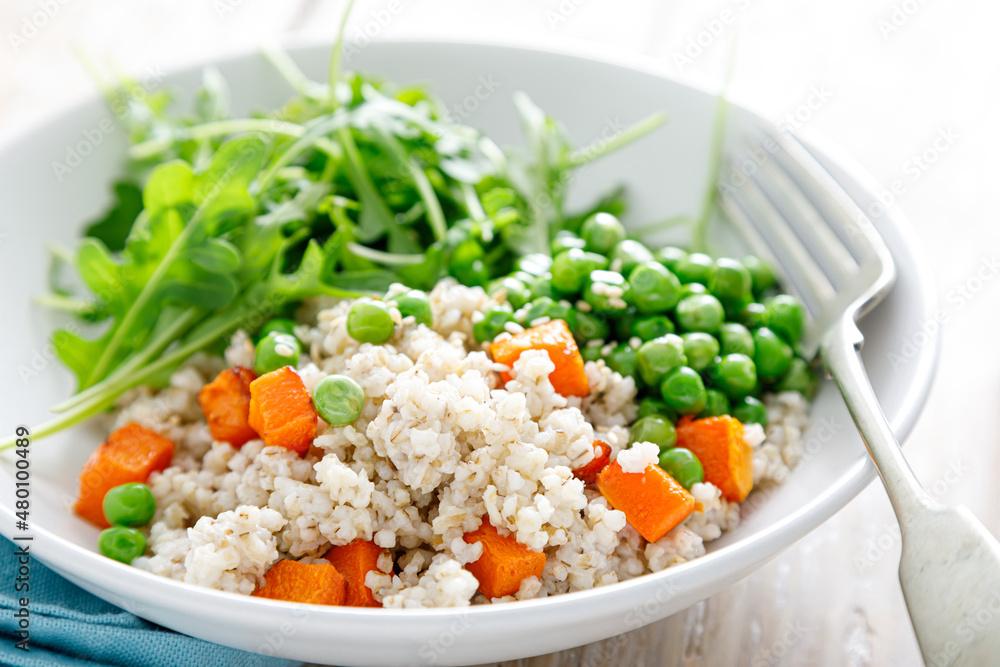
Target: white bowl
666,174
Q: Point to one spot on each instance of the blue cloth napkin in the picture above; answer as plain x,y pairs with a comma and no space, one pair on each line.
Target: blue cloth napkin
69,626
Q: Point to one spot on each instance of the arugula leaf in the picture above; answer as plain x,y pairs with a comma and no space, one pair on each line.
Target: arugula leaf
115,226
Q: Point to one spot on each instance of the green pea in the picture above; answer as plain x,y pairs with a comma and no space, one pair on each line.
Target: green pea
683,466
652,405
590,326
670,257
736,339
701,349
369,321
654,288
541,286
278,325
516,292
623,360
492,324
571,269
415,304
695,268
338,399
761,274
716,404
649,327
630,253
733,308
129,505
467,263
799,377
554,310
623,324
602,232
683,390
753,315
121,543
591,353
786,317
773,356
274,351
749,410
729,279
734,374
565,240
655,429
535,264
700,312
607,292
690,290
659,356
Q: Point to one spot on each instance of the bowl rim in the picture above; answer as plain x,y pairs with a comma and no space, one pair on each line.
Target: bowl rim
67,555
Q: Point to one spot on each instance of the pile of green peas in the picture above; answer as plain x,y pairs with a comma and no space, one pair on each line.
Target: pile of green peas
125,507
701,336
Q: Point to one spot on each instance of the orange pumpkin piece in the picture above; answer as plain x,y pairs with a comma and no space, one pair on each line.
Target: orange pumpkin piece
311,583
725,456
130,454
555,338
226,404
281,410
505,562
588,471
354,561
653,501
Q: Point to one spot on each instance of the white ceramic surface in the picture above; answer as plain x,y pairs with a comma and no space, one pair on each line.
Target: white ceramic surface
666,175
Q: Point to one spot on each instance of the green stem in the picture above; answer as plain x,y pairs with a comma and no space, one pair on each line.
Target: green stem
153,348
64,304
124,328
595,150
221,128
64,421
699,236
290,71
388,258
337,53
310,137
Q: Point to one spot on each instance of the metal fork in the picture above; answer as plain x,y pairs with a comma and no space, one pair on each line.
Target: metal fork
795,214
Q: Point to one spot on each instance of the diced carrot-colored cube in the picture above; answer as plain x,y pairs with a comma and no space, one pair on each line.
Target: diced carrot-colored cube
555,338
130,454
505,562
281,410
311,583
225,401
725,456
354,561
588,471
653,501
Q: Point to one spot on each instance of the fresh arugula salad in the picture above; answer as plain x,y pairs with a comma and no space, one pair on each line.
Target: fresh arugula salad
223,222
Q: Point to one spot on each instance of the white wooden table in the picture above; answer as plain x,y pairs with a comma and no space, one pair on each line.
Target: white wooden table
884,79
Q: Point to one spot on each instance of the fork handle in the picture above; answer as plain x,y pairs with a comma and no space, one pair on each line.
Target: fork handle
841,351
